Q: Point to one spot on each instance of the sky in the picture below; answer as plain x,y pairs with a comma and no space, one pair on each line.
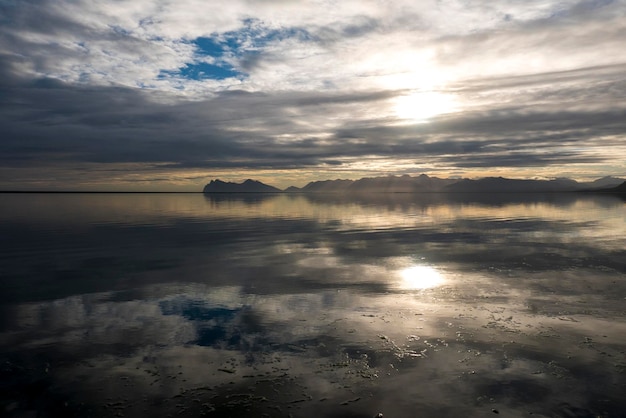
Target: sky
169,94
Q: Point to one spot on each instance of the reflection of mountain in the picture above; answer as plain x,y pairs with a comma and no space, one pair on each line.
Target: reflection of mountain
248,186
410,201
419,184
245,198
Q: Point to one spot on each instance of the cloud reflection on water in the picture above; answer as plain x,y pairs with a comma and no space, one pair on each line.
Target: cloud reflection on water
315,302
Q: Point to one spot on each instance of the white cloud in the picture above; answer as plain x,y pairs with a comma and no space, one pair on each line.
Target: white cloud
353,45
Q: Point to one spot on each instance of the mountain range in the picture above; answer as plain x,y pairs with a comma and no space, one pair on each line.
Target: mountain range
424,183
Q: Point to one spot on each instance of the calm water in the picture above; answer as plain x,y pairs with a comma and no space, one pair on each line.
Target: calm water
410,305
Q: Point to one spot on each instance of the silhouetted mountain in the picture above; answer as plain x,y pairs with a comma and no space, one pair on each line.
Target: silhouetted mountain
433,184
401,184
388,184
248,186
326,186
621,189
504,185
603,183
293,189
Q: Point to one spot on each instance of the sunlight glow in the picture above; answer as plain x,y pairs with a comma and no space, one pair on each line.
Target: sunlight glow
420,277
421,106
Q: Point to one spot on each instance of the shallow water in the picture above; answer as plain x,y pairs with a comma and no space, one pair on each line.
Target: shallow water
327,306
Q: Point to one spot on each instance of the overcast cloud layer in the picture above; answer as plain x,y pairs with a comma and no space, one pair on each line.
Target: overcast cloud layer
166,95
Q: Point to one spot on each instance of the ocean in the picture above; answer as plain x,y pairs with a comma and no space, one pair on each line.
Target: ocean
312,305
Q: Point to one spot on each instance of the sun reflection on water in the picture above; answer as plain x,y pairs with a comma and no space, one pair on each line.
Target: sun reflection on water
420,277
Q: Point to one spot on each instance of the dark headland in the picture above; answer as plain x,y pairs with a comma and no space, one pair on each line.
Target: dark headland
248,186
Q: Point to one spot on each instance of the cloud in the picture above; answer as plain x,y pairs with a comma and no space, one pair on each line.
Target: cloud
132,43
281,85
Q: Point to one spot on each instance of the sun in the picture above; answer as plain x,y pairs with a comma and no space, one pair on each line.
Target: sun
420,107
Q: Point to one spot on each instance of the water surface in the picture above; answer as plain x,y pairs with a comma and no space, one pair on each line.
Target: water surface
292,305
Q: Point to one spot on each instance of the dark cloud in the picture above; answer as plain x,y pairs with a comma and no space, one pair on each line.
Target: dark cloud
526,159
47,119
109,125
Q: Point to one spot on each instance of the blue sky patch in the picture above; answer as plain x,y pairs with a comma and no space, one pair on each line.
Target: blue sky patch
202,70
215,56
220,69
214,48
